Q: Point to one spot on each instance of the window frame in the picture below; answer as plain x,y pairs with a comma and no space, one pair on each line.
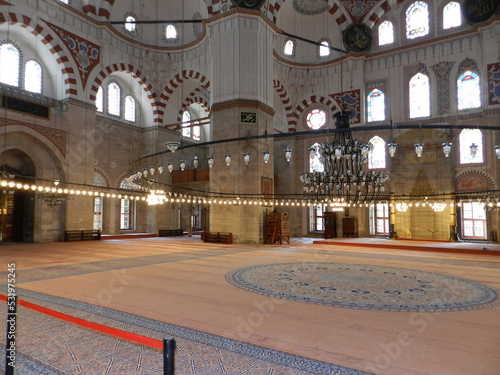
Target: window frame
465,158
381,148
410,97
294,47
12,70
464,220
369,105
393,33
119,99
322,47
165,33
478,88
127,219
314,217
25,79
310,113
375,218
406,25
442,18
125,111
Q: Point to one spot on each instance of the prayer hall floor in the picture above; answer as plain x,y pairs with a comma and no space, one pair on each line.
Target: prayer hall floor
178,286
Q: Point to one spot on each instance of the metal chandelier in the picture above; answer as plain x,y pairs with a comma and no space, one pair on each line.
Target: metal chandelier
343,177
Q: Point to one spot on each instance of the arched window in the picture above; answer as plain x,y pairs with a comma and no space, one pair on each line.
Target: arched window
468,154
186,124
99,100
315,164
385,33
324,49
376,156
316,119
468,91
114,94
171,32
127,209
419,96
289,46
130,24
375,105
452,15
417,20
98,201
196,131
33,77
9,64
129,108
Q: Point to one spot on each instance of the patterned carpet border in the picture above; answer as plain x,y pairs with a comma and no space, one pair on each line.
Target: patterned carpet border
236,346
364,287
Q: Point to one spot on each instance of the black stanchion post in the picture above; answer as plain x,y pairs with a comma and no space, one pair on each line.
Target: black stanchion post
10,349
168,356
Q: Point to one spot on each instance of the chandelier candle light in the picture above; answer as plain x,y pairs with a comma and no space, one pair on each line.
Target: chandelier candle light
343,176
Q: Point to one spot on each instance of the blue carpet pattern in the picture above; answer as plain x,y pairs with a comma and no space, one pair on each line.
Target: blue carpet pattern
367,287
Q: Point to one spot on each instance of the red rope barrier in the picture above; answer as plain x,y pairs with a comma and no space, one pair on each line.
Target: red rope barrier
158,344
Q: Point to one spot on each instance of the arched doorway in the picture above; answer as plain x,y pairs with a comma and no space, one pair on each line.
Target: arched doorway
17,206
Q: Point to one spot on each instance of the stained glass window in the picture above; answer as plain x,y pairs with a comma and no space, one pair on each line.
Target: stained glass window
288,47
315,164
385,33
196,131
324,49
417,20
129,108
468,91
420,105
469,137
130,24
375,105
452,15
316,119
114,93
186,123
9,64
99,100
376,156
33,77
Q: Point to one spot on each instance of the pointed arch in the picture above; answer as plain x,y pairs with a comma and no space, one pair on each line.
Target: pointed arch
173,84
193,97
136,74
287,104
328,102
68,73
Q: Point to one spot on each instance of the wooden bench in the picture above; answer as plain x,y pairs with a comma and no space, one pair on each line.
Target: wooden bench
82,235
217,237
170,232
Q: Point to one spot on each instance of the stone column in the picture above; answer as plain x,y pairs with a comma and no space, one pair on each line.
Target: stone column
241,96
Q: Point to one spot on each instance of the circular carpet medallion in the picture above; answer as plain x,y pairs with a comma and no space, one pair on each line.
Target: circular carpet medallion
360,286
